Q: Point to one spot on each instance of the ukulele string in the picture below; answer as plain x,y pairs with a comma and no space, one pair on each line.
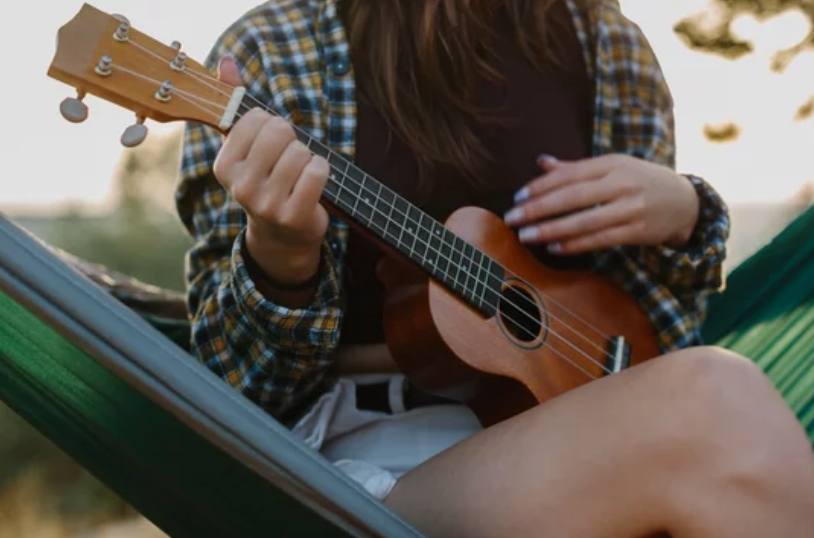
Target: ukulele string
187,96
204,78
207,80
499,294
453,249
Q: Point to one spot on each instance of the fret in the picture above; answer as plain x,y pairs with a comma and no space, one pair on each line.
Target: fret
348,191
455,257
360,193
388,201
317,148
447,239
406,239
494,284
304,137
468,264
363,208
420,244
479,283
437,237
376,209
423,234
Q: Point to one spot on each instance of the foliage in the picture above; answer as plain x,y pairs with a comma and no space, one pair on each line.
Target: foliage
711,31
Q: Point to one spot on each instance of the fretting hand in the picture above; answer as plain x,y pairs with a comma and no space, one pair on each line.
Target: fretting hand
604,202
278,183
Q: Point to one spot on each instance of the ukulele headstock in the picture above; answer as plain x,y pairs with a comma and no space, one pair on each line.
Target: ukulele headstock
103,55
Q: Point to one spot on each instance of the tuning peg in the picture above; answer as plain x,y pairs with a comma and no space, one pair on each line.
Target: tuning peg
135,134
73,109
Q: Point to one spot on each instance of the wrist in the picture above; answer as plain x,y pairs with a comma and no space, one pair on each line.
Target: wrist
684,233
281,263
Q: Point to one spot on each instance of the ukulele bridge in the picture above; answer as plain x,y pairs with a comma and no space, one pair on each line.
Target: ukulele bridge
618,356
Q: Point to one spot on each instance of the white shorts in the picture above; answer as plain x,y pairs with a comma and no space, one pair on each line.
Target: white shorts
376,448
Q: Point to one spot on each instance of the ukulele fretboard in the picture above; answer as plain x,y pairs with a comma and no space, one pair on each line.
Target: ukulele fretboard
466,271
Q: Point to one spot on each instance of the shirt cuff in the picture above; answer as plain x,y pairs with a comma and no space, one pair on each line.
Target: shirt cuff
700,260
314,325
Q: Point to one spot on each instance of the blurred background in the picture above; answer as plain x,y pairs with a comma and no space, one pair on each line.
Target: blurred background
742,74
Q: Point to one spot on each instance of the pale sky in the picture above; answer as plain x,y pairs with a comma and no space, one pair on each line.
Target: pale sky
47,161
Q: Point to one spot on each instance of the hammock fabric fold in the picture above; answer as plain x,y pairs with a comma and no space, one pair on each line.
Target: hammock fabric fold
98,363
159,429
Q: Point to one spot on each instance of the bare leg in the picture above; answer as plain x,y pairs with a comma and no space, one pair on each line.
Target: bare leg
697,444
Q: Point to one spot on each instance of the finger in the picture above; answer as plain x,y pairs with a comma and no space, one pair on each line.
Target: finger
568,198
624,234
560,173
287,170
229,72
580,223
237,144
268,146
309,187
547,162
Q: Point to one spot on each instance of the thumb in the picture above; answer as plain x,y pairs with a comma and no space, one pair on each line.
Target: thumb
228,71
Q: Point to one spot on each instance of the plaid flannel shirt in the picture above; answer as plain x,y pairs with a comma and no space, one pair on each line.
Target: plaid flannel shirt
294,57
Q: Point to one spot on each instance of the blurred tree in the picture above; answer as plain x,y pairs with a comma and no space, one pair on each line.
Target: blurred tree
711,31
142,236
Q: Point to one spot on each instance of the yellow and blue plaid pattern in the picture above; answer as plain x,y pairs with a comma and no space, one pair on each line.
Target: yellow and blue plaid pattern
295,58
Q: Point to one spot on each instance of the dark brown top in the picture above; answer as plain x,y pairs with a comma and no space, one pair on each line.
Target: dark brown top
551,112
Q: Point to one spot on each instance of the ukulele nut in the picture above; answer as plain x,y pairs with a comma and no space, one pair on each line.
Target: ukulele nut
104,67
164,93
122,32
179,63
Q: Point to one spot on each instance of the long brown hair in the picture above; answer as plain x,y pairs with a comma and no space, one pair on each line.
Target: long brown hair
421,59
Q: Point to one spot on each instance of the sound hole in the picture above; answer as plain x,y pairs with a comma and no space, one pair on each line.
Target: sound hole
520,314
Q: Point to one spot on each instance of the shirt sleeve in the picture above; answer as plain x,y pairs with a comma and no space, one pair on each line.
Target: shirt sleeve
643,126
276,356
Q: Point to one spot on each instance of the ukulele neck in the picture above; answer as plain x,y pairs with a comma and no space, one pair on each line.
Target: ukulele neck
464,270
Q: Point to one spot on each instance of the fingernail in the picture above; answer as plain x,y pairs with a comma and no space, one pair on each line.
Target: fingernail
546,159
522,195
513,216
555,248
528,234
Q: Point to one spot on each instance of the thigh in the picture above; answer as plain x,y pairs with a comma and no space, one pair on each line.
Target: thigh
569,468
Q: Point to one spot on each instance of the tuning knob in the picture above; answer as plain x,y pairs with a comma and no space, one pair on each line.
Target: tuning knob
73,109
135,134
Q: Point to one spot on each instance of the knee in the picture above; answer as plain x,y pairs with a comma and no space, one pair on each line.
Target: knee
727,413
714,390
716,378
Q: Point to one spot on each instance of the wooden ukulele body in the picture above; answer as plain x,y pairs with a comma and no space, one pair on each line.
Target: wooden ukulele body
446,347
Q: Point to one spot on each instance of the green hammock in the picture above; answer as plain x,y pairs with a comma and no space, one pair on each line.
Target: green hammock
766,313
157,427
87,357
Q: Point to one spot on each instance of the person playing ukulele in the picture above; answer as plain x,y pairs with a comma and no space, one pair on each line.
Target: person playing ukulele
556,116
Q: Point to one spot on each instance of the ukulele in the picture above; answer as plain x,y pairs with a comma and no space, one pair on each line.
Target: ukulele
470,314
